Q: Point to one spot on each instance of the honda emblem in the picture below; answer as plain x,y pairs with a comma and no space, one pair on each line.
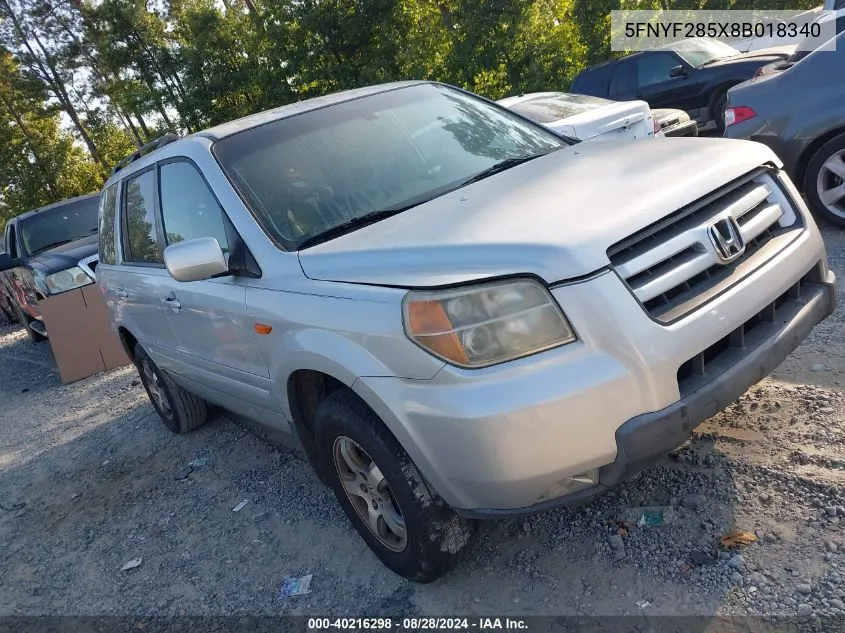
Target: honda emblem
727,239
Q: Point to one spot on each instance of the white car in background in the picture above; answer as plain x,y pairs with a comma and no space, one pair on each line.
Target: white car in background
586,118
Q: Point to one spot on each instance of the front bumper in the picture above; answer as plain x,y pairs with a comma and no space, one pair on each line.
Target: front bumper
498,441
644,439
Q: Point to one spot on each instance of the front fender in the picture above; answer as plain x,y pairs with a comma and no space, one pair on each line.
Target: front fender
346,360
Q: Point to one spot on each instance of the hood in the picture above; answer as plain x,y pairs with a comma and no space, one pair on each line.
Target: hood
553,217
66,255
761,57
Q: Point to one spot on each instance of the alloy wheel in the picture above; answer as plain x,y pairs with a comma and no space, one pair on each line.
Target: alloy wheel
156,390
369,493
831,184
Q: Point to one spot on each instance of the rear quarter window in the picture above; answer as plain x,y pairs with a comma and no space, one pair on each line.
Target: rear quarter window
593,81
108,205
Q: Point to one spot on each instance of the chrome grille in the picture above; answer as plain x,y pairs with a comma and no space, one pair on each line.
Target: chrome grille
89,264
675,265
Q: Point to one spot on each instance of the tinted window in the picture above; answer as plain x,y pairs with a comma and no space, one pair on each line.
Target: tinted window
188,208
59,225
560,106
593,81
622,81
654,69
108,203
305,174
140,240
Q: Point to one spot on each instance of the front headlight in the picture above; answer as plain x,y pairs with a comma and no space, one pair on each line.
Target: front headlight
486,324
65,280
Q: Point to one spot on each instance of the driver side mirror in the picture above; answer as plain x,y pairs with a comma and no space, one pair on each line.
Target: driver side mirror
195,260
7,262
678,71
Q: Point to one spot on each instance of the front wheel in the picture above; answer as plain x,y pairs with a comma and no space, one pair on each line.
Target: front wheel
824,181
26,321
179,410
406,524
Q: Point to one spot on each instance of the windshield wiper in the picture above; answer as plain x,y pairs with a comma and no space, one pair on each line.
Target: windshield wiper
352,224
53,245
501,166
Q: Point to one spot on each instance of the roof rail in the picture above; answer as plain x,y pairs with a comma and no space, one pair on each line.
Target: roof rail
161,141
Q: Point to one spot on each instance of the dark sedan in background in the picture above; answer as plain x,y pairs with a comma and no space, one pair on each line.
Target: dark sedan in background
800,113
693,75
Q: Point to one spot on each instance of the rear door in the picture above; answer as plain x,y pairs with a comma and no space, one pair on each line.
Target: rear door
658,89
133,288
217,344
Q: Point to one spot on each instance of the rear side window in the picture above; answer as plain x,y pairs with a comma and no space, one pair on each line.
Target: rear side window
188,208
140,237
108,202
622,82
593,81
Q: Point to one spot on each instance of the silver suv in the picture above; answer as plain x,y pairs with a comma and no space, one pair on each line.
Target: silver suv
458,314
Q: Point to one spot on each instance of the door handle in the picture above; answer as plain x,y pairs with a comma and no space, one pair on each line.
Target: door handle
121,292
172,302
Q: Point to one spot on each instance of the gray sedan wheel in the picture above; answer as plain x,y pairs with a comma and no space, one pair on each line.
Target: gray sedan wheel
824,182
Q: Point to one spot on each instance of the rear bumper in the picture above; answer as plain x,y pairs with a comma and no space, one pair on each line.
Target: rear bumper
685,128
644,439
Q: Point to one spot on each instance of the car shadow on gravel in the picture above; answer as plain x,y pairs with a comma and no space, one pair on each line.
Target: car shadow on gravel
126,488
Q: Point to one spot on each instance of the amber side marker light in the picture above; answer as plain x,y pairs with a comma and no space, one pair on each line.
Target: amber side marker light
260,328
427,321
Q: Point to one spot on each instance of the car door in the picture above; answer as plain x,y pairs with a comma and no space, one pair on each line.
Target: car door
217,345
132,288
655,85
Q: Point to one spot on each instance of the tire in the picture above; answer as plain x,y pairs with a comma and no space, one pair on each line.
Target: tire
180,411
819,178
436,539
7,311
24,320
719,104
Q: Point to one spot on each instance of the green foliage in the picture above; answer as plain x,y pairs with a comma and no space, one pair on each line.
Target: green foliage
84,81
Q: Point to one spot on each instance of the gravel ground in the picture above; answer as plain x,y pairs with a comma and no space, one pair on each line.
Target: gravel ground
102,483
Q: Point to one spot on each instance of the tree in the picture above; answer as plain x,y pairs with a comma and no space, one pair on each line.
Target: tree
43,64
39,162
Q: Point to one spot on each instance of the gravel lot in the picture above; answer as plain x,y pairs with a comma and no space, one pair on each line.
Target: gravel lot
102,482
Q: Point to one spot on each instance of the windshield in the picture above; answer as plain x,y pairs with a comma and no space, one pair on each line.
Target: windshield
550,108
701,51
305,174
59,225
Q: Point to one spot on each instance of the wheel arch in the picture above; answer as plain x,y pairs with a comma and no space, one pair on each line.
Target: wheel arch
719,89
800,171
128,341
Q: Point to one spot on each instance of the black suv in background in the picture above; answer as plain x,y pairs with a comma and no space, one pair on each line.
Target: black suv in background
45,252
692,75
